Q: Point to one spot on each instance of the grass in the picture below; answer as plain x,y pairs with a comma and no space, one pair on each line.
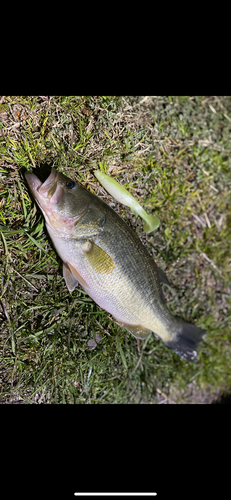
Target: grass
173,153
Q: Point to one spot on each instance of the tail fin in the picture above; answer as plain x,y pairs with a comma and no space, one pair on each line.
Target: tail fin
187,340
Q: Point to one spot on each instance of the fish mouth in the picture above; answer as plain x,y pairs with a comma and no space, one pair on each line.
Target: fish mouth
48,187
49,191
49,195
43,188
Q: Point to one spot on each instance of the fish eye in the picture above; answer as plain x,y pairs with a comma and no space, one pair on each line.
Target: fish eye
71,185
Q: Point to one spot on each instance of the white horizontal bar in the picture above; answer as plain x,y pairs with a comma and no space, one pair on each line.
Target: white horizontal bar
115,494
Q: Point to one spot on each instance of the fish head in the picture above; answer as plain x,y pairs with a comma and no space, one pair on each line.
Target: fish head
62,201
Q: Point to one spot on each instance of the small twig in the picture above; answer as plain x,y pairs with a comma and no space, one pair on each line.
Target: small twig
24,279
218,101
211,262
226,116
2,99
9,106
12,126
205,100
165,396
220,221
212,108
206,173
205,142
198,219
203,208
145,99
108,379
215,189
90,125
207,220
138,347
142,151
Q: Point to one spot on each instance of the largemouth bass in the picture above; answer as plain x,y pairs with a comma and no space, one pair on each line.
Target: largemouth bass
106,257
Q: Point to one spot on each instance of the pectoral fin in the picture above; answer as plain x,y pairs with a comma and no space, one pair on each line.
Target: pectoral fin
99,260
137,330
70,279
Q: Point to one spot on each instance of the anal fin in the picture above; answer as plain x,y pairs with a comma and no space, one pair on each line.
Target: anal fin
70,279
137,331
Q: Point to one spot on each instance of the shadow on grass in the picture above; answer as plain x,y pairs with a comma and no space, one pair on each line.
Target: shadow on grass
224,400
42,171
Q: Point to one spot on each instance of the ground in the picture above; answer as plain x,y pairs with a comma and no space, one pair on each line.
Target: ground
173,155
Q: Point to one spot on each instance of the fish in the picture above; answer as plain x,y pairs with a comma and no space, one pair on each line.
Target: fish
106,257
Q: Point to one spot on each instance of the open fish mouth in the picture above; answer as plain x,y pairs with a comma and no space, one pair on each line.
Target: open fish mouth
48,188
48,192
43,188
